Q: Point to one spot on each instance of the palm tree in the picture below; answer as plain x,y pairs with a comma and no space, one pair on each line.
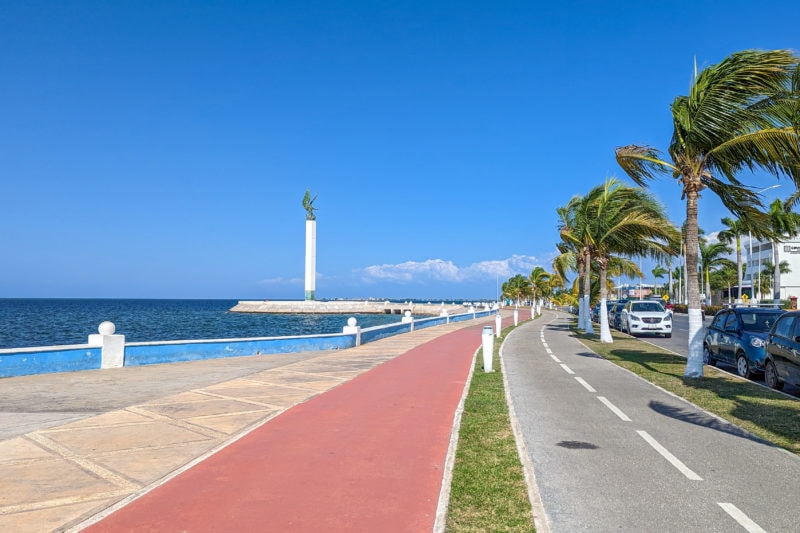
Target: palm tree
658,273
767,275
618,219
734,229
516,288
713,256
740,114
782,222
540,282
725,277
574,254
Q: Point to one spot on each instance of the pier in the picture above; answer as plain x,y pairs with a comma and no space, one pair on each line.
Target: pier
347,306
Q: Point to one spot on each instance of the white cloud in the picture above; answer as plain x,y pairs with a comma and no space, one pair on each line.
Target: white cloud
281,281
441,270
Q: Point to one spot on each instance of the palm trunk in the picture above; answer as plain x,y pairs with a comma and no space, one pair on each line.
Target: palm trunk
581,315
694,360
605,330
587,291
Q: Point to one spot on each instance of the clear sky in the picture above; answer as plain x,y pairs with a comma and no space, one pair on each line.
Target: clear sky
162,149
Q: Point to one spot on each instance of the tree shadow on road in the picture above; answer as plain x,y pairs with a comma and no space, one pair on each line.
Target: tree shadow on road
748,406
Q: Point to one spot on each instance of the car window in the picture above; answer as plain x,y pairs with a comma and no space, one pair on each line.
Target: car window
783,328
758,321
796,329
733,322
648,307
719,321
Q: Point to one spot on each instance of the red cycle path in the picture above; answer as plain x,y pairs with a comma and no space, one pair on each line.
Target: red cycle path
365,456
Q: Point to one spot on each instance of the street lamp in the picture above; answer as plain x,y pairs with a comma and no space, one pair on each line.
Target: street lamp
750,244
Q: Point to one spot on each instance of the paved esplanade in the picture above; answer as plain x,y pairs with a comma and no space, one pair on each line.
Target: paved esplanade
611,452
349,440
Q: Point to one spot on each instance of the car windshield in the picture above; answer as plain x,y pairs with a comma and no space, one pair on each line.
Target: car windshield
647,307
758,321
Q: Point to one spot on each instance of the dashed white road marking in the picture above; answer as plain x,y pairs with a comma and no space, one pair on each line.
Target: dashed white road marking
614,409
567,369
548,350
556,359
585,384
742,518
685,470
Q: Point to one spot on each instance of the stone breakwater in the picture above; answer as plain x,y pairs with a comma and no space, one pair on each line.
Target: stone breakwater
347,307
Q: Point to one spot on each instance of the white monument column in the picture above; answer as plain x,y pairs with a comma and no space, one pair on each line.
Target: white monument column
311,245
311,258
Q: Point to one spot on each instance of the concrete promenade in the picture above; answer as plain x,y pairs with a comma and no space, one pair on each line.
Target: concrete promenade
351,440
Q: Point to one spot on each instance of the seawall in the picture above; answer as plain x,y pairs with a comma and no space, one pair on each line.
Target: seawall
346,307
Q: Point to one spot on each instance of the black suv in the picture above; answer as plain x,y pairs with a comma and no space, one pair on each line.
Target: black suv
782,361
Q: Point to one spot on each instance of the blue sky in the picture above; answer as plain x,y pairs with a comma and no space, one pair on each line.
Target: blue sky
162,149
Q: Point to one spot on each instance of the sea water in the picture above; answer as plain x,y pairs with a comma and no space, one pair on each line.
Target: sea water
47,322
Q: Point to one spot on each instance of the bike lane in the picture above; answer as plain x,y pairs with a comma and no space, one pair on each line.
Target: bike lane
610,451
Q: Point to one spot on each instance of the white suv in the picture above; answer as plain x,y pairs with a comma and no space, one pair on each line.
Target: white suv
646,316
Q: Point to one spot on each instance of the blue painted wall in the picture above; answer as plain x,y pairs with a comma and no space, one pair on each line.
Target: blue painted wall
137,354
70,359
44,361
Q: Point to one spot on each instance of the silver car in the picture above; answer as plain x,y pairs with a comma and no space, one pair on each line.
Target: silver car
646,316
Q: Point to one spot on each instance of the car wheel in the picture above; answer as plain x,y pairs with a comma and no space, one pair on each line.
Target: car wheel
771,376
707,358
743,367
667,335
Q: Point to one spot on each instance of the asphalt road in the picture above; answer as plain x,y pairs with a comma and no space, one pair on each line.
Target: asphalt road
611,452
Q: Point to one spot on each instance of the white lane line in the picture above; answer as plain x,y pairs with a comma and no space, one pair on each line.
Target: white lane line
585,385
567,369
546,347
556,359
548,350
616,410
742,518
669,457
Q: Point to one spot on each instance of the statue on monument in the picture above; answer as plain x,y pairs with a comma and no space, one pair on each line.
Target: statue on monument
308,205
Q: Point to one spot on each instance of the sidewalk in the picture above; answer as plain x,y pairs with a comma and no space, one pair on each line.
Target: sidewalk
351,440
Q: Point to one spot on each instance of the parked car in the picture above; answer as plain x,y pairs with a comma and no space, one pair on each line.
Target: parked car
615,314
596,310
782,359
737,337
646,316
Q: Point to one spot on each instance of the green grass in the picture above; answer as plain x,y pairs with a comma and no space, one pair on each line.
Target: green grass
488,490
763,412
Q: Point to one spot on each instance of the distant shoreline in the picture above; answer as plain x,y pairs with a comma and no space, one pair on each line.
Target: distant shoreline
336,307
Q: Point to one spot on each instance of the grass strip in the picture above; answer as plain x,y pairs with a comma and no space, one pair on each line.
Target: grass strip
488,490
759,410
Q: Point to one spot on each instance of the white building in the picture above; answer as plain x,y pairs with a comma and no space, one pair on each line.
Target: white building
757,253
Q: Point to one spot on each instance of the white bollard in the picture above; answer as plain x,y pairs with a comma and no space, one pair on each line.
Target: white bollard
516,316
408,319
112,347
352,328
488,348
498,323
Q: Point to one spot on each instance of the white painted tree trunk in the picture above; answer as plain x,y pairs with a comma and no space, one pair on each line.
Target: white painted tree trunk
588,327
694,363
605,330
